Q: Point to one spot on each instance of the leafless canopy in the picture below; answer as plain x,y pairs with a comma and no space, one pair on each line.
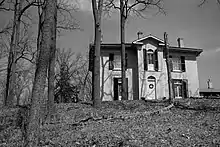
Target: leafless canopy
204,1
137,7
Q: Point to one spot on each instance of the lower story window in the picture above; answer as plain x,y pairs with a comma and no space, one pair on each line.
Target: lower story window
180,88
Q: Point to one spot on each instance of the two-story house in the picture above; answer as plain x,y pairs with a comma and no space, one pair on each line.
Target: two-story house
146,71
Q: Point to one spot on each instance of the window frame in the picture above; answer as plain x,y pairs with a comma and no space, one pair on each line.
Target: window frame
176,62
150,56
116,58
178,83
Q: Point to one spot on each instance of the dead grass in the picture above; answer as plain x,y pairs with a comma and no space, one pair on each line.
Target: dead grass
81,125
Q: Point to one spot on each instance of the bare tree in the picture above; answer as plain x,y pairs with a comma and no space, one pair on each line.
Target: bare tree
20,7
49,10
65,21
51,68
97,8
168,63
11,76
127,8
25,54
204,1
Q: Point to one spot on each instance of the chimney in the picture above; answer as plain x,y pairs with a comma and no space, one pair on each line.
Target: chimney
180,42
209,83
139,34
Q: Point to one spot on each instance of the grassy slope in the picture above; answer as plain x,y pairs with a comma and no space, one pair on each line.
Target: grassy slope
81,125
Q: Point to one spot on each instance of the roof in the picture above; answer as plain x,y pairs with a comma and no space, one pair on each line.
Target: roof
210,90
118,45
184,49
148,36
161,42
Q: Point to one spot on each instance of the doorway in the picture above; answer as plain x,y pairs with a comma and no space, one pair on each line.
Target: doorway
118,88
151,87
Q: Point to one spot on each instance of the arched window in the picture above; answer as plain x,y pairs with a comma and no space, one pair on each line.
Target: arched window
151,78
150,56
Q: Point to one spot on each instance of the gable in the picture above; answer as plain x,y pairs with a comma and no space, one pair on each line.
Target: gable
149,37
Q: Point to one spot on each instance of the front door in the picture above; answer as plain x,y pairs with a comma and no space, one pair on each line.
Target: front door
118,88
151,88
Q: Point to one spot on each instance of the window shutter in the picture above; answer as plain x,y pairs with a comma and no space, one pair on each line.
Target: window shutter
171,63
127,88
145,59
115,88
156,60
111,59
183,66
185,88
126,61
91,57
173,88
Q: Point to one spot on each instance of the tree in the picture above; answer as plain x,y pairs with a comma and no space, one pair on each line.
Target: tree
204,1
66,88
11,76
24,60
65,21
97,8
48,10
126,8
51,68
19,10
66,91
168,63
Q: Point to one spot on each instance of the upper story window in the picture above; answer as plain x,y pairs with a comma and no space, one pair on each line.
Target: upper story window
150,60
178,64
115,61
150,56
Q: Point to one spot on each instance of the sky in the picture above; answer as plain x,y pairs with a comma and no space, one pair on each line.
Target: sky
198,26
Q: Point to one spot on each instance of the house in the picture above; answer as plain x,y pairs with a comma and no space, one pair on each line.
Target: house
209,92
146,71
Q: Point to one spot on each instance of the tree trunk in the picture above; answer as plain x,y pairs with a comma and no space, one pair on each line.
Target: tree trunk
97,13
51,70
39,33
168,63
11,75
123,74
49,12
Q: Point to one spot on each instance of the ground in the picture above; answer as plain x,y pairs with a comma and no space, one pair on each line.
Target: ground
125,124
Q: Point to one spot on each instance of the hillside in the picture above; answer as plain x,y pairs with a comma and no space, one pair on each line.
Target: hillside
190,122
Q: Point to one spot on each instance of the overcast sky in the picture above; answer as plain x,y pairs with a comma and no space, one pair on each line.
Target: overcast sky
199,26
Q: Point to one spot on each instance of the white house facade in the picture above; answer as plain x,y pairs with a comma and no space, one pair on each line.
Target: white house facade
146,70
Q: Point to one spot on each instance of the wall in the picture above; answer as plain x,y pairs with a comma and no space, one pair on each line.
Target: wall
191,73
159,75
107,76
137,77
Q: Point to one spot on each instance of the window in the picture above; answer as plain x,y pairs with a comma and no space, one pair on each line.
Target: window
150,57
178,63
180,88
150,60
117,62
118,88
111,59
